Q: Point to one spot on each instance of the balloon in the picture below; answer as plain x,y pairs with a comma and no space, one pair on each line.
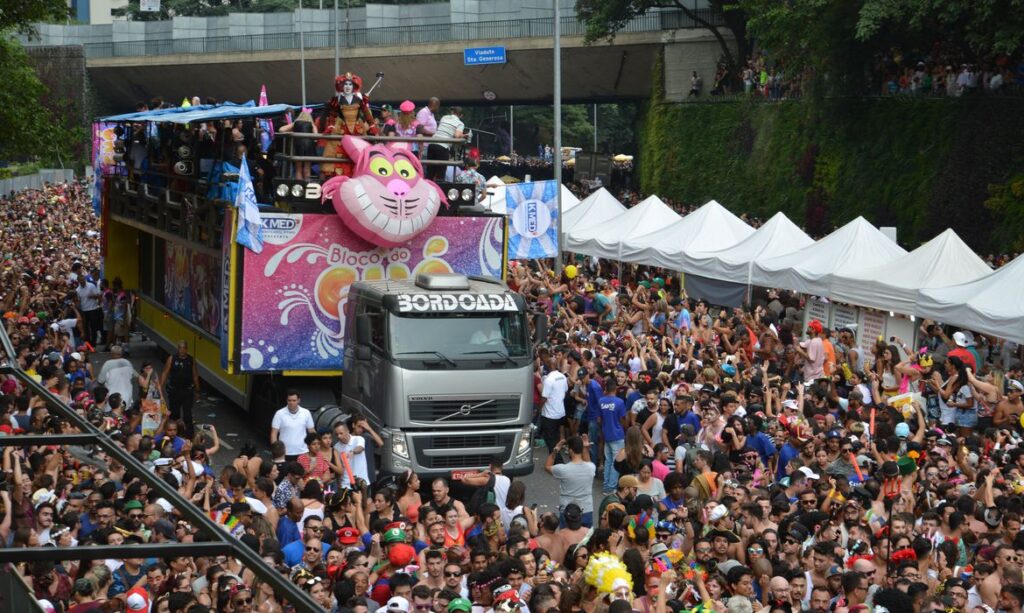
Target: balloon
570,272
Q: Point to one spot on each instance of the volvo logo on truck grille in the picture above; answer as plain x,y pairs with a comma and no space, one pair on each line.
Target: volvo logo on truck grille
466,409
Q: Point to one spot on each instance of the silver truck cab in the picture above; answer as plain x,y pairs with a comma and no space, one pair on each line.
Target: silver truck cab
442,366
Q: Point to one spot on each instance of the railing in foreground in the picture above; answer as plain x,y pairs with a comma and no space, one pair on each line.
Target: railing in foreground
221,543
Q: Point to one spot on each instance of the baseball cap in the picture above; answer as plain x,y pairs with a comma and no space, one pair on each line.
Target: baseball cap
833,434
902,430
573,513
394,535
385,107
137,601
810,474
459,604
960,339
348,536
718,512
398,604
815,325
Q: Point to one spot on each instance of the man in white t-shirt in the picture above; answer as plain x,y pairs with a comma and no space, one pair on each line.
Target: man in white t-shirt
291,424
555,387
353,447
118,375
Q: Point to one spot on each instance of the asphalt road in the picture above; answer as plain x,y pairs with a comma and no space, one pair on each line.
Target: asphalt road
234,428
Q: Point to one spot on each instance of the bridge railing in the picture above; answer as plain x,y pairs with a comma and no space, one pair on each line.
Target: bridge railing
383,37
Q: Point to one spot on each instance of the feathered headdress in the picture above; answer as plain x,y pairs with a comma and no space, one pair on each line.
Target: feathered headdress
606,572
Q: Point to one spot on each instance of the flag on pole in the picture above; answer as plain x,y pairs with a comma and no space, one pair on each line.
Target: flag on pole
533,210
250,225
266,124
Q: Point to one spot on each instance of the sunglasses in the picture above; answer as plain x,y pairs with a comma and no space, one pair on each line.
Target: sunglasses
757,550
135,516
242,601
316,549
451,574
791,541
703,550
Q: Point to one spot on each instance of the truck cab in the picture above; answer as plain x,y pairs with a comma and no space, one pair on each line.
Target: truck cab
442,366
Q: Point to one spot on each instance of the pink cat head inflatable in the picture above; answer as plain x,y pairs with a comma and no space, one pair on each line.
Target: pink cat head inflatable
386,201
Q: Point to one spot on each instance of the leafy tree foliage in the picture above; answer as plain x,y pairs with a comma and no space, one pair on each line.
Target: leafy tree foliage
26,128
20,14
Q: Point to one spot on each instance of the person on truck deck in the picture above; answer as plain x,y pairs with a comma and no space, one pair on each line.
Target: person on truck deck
441,499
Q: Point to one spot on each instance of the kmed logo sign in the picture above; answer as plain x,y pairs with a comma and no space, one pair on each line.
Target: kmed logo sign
279,228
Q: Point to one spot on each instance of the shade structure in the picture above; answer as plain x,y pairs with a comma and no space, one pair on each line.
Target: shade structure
569,199
596,208
495,200
605,239
993,304
854,246
710,227
778,236
893,286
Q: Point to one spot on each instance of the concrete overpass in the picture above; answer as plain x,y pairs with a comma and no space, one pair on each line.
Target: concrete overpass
415,70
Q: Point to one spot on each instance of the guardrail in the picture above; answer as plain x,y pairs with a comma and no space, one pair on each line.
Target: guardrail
382,37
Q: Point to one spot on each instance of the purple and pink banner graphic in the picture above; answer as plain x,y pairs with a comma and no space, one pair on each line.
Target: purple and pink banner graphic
294,292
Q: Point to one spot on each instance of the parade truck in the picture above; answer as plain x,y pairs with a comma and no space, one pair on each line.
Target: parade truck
421,336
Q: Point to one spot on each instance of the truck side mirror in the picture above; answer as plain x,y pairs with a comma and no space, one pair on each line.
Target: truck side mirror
362,330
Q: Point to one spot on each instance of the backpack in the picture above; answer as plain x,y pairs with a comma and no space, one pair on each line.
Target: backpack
482,496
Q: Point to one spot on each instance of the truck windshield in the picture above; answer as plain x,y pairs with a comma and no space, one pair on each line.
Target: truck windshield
473,336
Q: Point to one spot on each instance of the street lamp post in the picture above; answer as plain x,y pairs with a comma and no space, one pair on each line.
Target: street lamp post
558,128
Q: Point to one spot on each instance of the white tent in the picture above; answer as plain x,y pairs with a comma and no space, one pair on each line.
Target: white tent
944,260
596,208
495,200
777,237
711,226
569,199
993,304
856,245
605,239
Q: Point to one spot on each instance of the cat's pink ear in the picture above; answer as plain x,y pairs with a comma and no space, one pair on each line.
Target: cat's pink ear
354,147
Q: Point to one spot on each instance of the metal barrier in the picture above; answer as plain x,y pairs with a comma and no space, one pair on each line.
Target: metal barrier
386,37
221,543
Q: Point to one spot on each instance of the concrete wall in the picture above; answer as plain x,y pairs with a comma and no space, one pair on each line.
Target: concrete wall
17,184
688,51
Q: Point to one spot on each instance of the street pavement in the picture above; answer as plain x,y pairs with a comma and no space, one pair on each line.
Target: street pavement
235,429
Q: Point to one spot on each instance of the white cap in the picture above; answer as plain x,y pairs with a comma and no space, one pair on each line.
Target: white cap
257,506
790,404
397,604
76,356
166,506
960,339
718,512
810,474
137,603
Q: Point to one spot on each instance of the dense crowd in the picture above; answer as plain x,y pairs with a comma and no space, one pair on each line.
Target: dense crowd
705,460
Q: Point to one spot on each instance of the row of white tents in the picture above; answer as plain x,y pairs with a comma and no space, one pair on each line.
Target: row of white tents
856,264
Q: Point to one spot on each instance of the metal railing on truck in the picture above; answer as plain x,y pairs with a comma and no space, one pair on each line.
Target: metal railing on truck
221,543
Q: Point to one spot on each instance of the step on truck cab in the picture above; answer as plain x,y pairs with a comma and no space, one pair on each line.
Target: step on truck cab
442,366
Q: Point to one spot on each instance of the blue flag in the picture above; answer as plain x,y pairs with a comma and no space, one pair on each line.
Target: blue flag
533,210
250,225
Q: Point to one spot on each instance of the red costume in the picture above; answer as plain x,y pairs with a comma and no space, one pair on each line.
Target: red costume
348,113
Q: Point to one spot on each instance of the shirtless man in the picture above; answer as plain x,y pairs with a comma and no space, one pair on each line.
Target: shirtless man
1008,571
1009,409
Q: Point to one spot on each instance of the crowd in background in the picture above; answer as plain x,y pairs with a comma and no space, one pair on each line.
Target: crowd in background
705,460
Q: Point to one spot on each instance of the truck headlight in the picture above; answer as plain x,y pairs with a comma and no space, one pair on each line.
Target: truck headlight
399,446
282,190
467,195
453,194
297,191
525,444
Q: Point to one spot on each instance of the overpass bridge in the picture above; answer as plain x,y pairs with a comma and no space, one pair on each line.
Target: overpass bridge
418,62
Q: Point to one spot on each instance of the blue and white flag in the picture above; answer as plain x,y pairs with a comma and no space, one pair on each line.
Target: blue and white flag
250,224
532,209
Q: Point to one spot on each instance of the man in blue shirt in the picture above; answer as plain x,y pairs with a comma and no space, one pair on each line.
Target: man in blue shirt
593,411
613,418
313,528
288,525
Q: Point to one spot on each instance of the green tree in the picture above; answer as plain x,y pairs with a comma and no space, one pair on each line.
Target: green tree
26,129
604,18
21,14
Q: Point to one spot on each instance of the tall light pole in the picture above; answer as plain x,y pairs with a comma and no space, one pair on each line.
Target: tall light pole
302,54
337,48
595,127
511,129
558,127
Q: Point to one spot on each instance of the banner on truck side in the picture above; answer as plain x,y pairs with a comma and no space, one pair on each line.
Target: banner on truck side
293,294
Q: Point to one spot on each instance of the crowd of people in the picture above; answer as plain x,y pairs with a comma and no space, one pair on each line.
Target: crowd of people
704,459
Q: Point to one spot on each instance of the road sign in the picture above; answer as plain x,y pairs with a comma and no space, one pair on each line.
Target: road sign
479,56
